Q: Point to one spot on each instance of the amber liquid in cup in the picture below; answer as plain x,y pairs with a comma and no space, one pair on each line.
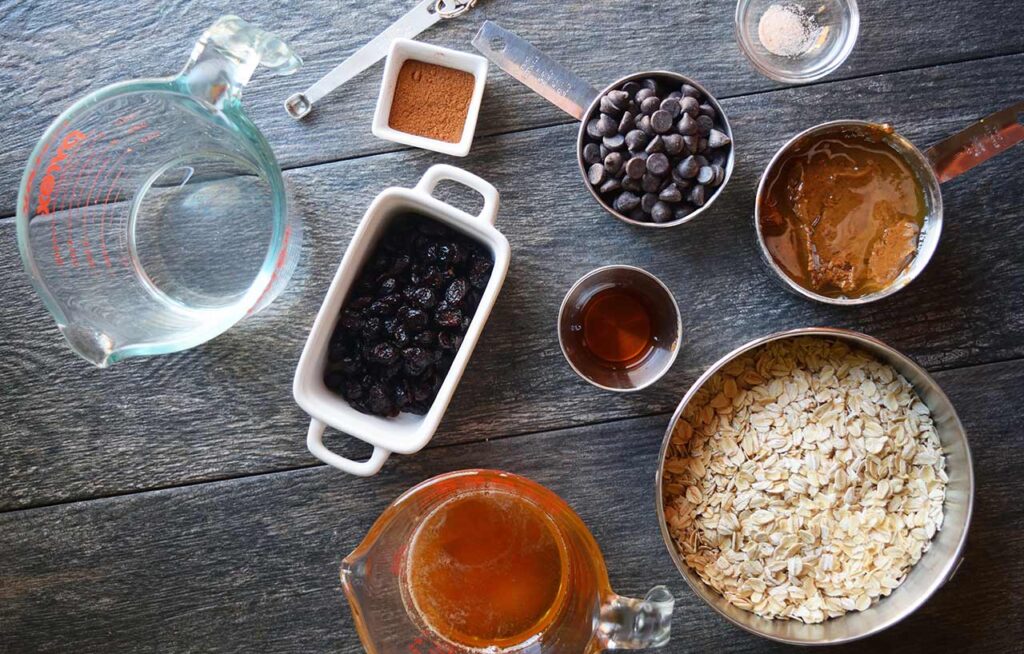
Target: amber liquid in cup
616,326
486,569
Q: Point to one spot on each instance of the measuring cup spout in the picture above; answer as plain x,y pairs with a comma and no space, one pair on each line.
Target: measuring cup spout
226,56
95,347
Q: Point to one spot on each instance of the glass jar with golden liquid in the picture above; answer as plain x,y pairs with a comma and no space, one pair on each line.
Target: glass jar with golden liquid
480,559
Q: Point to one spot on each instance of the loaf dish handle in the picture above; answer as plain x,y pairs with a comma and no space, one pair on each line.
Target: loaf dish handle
368,468
441,172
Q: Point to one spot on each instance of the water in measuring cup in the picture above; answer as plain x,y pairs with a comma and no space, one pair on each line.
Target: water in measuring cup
192,236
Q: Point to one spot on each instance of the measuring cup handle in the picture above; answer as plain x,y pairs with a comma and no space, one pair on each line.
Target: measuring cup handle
441,172
978,143
542,74
368,468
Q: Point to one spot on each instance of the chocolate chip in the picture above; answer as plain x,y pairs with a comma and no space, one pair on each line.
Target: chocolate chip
707,110
697,195
673,144
618,98
610,186
651,183
647,202
613,162
691,91
630,88
650,83
704,125
672,106
636,167
719,175
626,202
661,212
671,193
591,153
606,125
661,121
626,122
688,168
692,143
690,106
650,105
593,131
717,139
597,174
614,142
644,124
633,185
705,175
608,107
658,164
657,144
681,212
643,94
636,140
687,126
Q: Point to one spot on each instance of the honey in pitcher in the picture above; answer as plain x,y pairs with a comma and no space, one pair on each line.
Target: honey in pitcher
843,212
486,569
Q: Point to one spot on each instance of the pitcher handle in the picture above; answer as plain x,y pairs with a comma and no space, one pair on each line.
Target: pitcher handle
441,172
627,623
368,468
978,143
227,54
542,74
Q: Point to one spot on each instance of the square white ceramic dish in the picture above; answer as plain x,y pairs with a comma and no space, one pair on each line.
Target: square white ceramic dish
406,433
403,50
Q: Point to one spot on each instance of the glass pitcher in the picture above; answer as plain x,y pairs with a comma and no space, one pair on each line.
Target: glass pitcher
152,214
584,615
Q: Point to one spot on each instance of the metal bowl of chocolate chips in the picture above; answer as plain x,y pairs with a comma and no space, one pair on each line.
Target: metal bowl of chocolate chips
655,149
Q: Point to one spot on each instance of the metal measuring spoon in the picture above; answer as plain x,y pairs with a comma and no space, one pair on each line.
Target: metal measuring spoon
419,18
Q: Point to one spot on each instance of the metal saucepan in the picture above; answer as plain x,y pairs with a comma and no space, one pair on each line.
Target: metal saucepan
576,97
934,569
939,163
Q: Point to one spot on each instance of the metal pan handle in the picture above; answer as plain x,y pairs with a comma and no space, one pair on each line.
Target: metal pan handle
545,76
978,143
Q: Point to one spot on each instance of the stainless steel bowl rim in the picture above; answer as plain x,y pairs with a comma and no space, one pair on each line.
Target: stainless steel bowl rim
679,327
580,142
844,334
901,282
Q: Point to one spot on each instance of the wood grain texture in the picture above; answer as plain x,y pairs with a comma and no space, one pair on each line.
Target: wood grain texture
53,53
251,565
225,409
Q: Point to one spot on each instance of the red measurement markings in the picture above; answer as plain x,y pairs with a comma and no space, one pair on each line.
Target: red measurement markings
77,198
119,164
101,168
282,259
127,118
52,176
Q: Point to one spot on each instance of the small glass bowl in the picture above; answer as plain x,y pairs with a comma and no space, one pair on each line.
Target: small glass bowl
839,21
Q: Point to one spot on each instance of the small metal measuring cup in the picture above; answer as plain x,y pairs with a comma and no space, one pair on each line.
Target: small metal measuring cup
940,163
576,97
666,321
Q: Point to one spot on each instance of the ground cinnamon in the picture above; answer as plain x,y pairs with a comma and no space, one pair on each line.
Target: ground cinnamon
431,101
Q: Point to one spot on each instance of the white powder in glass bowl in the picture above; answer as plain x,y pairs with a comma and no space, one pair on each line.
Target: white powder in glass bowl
786,31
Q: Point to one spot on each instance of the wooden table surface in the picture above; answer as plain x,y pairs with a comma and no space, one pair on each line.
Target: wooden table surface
170,505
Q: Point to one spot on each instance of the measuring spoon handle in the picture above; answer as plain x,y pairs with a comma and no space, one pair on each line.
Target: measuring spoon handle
978,143
545,76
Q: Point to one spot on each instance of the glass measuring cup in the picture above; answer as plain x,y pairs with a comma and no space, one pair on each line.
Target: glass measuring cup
585,617
152,214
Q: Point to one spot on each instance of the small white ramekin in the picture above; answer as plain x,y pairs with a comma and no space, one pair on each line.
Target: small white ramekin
403,50
406,433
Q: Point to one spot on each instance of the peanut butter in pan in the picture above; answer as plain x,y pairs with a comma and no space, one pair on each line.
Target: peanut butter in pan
843,213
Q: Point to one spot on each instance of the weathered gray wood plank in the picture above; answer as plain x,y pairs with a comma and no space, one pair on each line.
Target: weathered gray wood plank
250,565
225,409
54,52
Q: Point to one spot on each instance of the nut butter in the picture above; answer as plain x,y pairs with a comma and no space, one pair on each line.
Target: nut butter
843,212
